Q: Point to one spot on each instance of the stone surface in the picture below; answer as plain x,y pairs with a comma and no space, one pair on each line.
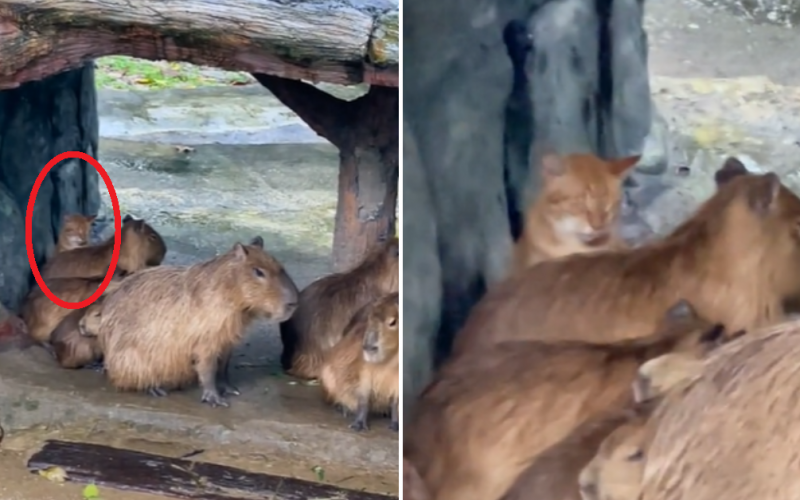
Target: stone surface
14,267
38,121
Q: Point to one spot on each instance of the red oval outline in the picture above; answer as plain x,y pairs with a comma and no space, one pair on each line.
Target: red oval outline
29,229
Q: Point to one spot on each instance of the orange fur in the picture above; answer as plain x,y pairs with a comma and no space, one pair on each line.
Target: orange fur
735,260
352,374
166,327
141,246
487,414
75,232
577,210
327,305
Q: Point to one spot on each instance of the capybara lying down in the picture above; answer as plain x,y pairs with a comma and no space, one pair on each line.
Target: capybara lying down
326,306
735,260
486,415
73,349
166,327
362,372
141,246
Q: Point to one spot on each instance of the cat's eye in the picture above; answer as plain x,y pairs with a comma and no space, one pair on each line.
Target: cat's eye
258,272
636,456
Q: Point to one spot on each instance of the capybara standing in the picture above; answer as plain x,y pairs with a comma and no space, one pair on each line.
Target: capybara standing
362,371
75,232
42,315
735,261
141,246
488,414
326,306
166,327
73,349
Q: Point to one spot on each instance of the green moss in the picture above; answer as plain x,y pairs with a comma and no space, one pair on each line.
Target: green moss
123,72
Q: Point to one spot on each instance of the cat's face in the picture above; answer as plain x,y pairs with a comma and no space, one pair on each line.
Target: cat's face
75,231
583,195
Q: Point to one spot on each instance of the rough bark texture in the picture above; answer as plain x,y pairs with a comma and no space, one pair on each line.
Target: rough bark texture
366,132
582,98
334,41
38,121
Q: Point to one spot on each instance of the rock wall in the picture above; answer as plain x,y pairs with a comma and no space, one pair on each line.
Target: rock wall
582,98
38,121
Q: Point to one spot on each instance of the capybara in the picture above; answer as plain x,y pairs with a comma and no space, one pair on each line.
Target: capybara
615,470
361,373
75,231
735,260
553,474
141,246
733,434
42,315
327,304
413,486
73,349
488,413
166,327
577,210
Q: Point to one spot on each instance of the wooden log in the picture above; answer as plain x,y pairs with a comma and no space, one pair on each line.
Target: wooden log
333,41
144,472
366,131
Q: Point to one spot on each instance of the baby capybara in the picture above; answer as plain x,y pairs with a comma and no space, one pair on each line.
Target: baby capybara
73,349
141,246
362,372
74,232
166,327
327,305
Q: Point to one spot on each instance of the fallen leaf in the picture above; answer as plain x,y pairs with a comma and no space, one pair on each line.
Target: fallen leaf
55,474
143,81
184,149
90,492
319,471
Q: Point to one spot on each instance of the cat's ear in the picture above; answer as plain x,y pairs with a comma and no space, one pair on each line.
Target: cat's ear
552,166
621,166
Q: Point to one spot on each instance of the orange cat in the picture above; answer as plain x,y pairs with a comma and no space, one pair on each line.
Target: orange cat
74,232
577,210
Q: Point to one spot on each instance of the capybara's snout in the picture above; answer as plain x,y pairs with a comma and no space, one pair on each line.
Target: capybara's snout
290,297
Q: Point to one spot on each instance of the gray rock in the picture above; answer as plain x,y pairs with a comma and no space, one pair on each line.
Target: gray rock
14,267
657,146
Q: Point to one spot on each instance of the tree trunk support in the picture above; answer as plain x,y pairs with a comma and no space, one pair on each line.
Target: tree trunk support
366,132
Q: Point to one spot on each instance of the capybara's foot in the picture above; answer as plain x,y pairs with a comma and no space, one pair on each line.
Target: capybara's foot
97,366
157,392
340,408
214,399
226,389
394,426
359,425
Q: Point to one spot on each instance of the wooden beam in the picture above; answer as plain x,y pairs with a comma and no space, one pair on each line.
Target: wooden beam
144,472
344,42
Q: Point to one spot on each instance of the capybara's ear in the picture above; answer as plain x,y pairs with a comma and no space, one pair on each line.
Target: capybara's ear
258,241
680,311
239,251
763,195
659,375
621,166
127,219
730,169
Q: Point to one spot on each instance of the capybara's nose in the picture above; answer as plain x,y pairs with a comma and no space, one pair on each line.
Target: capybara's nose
370,348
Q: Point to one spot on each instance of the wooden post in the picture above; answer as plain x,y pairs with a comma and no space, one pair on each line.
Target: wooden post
366,132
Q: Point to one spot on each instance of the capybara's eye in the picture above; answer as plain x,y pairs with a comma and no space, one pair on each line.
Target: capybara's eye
393,322
258,272
636,456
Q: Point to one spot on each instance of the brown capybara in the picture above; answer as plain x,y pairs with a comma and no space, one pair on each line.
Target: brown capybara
361,373
614,472
75,232
735,260
327,304
166,327
553,474
733,434
413,487
71,348
141,246
488,414
42,315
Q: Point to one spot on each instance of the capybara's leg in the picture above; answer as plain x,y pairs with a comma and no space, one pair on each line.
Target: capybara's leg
223,376
362,412
157,392
395,423
207,374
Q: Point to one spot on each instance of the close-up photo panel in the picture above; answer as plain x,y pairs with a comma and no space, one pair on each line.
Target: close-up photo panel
200,250
600,250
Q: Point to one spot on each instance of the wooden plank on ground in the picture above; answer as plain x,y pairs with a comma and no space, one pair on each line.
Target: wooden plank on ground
147,473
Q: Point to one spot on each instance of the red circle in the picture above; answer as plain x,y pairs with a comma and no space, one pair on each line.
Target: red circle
29,229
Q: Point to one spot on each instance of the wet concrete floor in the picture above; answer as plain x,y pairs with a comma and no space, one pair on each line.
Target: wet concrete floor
203,198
